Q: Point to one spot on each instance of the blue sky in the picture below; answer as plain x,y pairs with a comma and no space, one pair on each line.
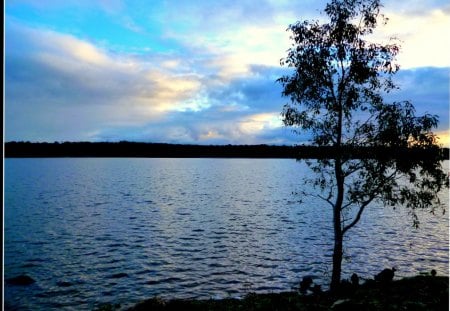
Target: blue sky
182,71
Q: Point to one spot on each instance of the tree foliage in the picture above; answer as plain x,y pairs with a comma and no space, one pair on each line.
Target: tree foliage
337,93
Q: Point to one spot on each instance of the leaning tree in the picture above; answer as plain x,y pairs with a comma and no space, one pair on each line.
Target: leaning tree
336,91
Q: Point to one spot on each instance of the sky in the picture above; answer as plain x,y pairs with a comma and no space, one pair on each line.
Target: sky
186,71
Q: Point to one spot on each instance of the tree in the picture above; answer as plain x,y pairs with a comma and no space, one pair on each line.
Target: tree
336,93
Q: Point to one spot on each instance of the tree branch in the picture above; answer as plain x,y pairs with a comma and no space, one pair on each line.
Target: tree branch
364,204
328,200
358,215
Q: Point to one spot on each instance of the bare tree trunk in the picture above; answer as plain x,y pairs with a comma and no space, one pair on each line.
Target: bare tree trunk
338,233
337,256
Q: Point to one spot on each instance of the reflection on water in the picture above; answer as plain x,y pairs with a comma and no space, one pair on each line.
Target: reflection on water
91,231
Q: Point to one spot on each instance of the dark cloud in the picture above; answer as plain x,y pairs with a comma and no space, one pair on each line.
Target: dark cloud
258,92
428,90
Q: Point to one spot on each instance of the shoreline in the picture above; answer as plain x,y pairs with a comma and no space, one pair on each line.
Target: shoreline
410,293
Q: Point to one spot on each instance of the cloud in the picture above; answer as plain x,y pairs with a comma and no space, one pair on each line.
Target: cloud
59,87
428,90
260,38
55,73
214,82
422,36
415,7
207,127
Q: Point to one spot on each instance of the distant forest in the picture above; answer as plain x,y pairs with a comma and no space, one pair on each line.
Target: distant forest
159,150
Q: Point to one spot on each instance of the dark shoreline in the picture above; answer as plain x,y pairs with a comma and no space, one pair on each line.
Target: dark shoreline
127,149
413,293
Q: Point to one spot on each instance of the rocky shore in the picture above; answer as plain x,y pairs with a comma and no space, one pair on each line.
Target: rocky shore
415,293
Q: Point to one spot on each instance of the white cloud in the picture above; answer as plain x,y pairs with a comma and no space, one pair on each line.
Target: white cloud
259,122
424,38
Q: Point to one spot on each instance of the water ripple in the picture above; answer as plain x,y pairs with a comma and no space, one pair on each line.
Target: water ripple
91,231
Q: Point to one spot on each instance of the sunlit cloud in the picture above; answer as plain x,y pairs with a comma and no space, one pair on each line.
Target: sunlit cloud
259,122
231,53
444,138
423,38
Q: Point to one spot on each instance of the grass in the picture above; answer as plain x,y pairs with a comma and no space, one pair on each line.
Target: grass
416,293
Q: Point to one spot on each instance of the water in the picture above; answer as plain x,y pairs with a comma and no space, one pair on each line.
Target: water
93,231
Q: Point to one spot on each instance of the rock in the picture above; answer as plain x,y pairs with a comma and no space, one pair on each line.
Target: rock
355,279
345,288
305,284
316,289
385,276
20,280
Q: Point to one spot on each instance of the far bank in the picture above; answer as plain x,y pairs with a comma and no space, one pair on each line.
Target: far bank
127,149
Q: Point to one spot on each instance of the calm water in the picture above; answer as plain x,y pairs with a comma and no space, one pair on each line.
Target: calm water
93,231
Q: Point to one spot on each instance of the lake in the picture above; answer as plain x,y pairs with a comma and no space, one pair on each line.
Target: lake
93,231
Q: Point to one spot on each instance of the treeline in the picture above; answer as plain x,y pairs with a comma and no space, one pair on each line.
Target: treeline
159,150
